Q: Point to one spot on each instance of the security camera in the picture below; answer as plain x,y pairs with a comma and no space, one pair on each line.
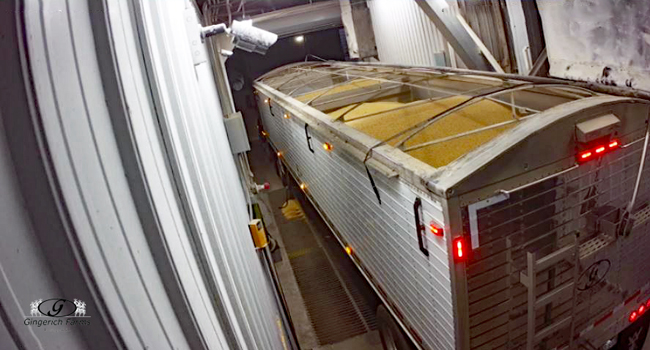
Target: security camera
244,36
251,39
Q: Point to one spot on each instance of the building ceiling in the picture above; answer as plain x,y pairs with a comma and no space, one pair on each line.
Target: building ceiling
223,11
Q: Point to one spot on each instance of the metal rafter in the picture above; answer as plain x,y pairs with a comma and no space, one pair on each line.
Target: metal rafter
454,32
434,99
398,84
330,88
446,92
282,71
466,133
326,75
424,124
407,83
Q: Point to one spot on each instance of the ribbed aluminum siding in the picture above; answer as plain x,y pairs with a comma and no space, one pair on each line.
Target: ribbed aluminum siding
383,237
404,34
189,112
486,18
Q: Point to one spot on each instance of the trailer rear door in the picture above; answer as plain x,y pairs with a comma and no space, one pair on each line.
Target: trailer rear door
555,259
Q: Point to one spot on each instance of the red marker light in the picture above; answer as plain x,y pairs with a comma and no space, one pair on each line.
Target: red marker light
647,304
436,230
585,155
633,316
460,253
641,309
598,151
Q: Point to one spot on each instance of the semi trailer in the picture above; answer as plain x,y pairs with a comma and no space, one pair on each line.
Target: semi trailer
487,211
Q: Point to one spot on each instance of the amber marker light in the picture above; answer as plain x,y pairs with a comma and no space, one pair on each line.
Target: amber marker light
438,231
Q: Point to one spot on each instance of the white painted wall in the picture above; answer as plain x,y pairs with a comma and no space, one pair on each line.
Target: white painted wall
584,37
24,271
404,34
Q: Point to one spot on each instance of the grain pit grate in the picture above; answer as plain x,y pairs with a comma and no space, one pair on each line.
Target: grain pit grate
336,305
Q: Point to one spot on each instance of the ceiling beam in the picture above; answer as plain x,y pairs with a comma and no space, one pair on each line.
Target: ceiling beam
454,32
301,19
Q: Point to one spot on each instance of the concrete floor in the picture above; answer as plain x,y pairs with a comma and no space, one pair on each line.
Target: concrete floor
264,171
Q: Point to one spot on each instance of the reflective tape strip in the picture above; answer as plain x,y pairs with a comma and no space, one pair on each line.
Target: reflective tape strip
615,310
473,209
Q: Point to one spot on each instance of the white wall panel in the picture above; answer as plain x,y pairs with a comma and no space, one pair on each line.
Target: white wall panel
404,34
599,41
24,270
189,107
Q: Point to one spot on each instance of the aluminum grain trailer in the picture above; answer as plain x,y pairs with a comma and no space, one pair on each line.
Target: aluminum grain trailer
487,211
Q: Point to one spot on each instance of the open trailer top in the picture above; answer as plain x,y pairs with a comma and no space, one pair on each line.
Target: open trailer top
487,211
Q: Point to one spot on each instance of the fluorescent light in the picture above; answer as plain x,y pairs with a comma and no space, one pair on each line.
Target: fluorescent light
299,38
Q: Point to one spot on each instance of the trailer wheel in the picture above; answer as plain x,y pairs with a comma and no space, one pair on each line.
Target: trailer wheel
392,337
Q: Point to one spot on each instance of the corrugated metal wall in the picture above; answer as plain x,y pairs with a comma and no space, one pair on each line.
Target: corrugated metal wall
404,34
192,125
488,21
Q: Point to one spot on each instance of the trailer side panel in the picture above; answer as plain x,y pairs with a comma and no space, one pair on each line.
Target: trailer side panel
382,237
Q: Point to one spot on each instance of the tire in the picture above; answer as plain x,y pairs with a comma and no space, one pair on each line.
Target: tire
392,337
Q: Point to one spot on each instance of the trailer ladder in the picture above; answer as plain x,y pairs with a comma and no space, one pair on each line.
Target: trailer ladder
529,279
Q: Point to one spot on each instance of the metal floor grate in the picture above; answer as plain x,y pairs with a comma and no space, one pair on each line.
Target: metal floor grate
334,293
329,307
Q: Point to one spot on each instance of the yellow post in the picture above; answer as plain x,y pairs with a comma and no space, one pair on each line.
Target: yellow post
258,233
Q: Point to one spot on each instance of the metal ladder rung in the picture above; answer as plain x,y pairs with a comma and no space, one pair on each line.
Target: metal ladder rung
555,257
529,279
550,329
554,294
548,261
